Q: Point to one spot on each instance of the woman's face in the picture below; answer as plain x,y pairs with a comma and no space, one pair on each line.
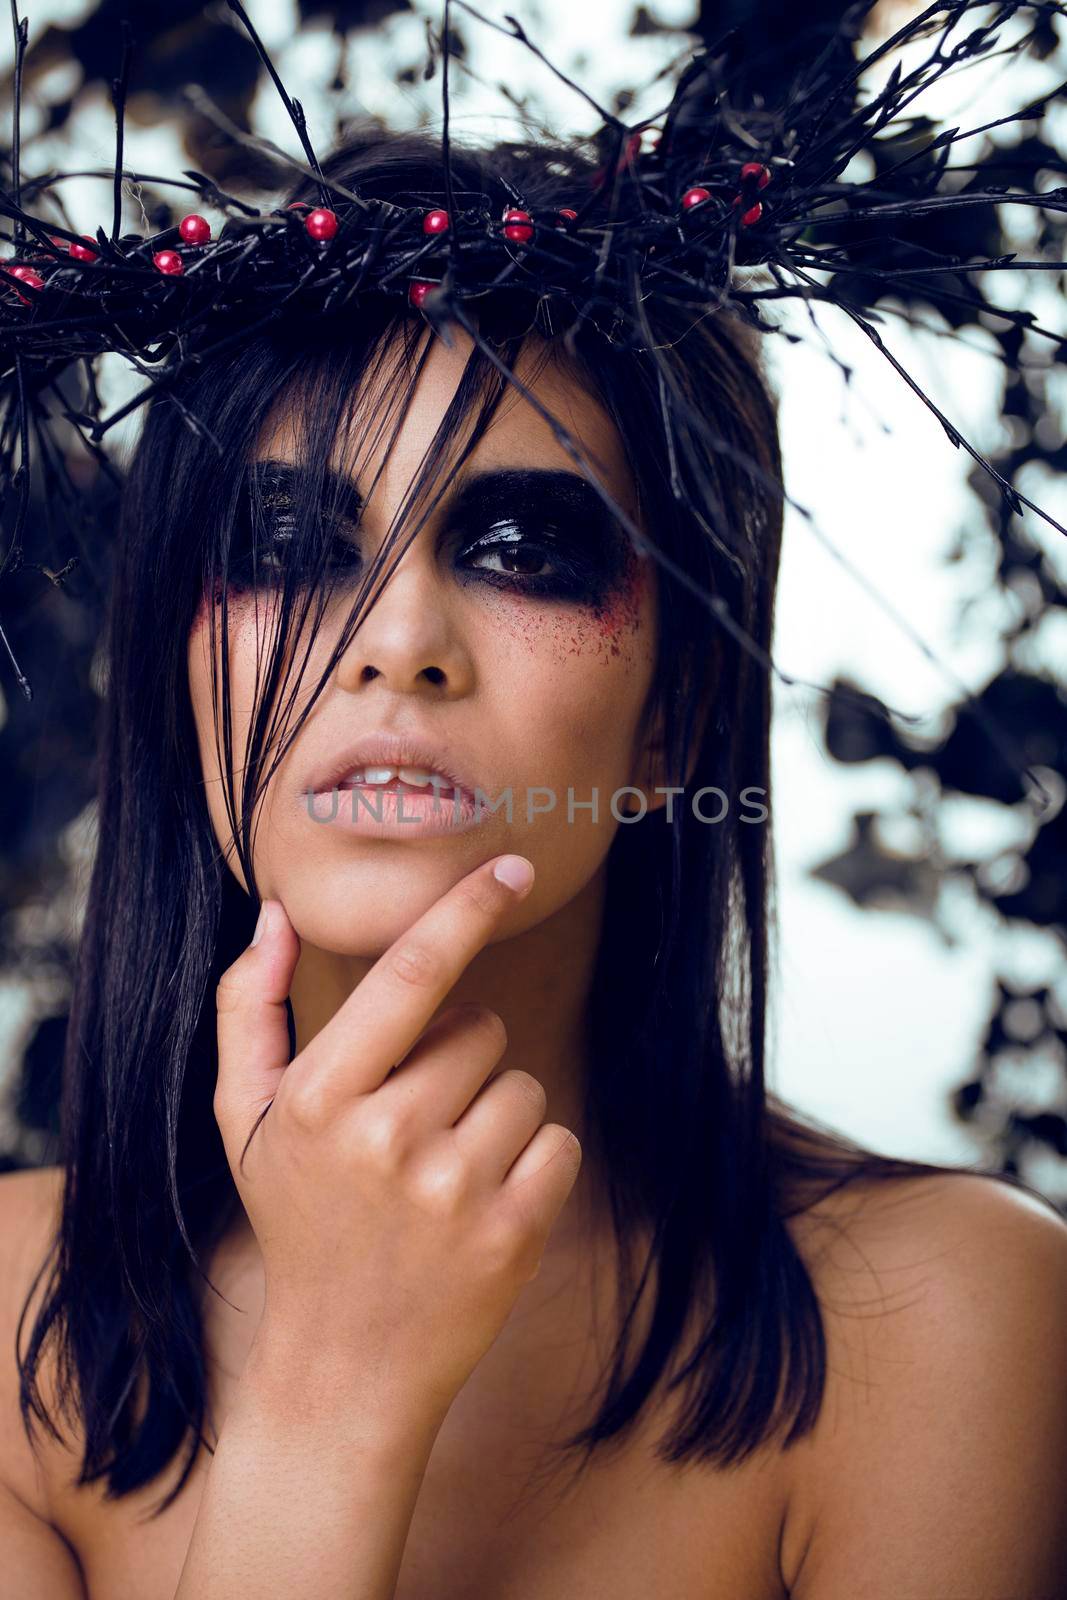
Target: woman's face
514,643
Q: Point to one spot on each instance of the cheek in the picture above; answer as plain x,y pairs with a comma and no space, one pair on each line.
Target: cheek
615,632
246,615
583,676
248,626
245,630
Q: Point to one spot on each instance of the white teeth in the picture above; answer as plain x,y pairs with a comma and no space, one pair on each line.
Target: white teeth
416,776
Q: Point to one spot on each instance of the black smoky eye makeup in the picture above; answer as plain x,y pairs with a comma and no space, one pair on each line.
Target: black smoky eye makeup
542,533
537,533
263,536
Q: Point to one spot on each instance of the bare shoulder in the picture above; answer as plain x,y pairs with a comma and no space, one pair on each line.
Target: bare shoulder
29,1214
939,1460
977,1223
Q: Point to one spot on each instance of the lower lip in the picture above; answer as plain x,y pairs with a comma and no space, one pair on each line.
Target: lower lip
388,813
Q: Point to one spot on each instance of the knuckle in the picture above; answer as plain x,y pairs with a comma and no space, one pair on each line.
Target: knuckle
416,965
442,1182
507,1249
382,1137
481,896
529,1087
305,1105
534,1268
230,992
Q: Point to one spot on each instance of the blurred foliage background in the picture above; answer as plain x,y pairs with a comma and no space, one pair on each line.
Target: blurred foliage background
196,75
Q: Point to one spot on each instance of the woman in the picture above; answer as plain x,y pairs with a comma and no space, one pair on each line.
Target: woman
336,1294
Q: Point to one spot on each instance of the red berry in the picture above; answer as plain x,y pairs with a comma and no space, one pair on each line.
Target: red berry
81,252
321,224
298,205
695,197
26,276
435,222
752,215
567,216
195,230
168,261
756,170
517,225
419,290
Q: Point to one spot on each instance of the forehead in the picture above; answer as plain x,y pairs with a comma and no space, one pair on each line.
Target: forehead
518,434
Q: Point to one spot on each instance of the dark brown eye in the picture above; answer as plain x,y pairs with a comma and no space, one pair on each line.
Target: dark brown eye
263,543
512,552
540,534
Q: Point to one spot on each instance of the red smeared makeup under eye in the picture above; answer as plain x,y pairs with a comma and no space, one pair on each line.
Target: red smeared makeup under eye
605,630
589,594
620,617
547,517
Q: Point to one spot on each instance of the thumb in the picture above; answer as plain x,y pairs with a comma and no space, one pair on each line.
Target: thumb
253,1031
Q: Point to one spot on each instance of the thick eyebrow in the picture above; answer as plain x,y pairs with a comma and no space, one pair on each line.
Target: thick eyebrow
502,488
493,490
338,490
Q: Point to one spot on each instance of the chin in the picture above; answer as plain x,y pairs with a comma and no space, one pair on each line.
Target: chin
363,899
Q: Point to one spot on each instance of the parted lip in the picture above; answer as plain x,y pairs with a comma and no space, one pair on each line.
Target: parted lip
388,750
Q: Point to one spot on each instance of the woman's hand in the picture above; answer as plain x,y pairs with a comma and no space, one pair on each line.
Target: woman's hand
399,1212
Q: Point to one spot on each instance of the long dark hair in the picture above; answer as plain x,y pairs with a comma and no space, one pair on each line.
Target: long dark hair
677,1113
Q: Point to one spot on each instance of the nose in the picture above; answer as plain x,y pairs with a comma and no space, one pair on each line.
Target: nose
411,638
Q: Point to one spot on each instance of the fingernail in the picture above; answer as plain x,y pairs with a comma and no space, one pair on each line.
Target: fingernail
515,871
261,925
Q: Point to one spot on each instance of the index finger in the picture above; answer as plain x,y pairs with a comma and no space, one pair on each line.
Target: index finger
390,1006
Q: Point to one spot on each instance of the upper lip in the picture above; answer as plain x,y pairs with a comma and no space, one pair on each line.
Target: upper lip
387,750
